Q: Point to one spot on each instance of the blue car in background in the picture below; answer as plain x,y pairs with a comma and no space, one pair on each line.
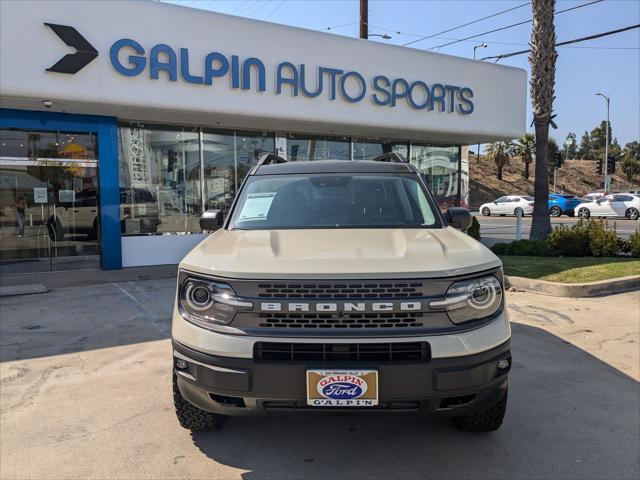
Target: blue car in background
562,204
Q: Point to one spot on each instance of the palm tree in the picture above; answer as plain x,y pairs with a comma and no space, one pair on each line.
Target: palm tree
499,152
525,148
542,60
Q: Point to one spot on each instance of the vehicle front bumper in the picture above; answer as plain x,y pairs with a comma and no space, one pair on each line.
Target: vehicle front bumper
443,386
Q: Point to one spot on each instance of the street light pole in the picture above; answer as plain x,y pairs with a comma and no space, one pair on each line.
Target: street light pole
482,45
606,145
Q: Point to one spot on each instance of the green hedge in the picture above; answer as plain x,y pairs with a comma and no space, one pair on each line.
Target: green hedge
583,239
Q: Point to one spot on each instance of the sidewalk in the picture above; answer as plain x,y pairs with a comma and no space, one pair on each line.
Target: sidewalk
93,276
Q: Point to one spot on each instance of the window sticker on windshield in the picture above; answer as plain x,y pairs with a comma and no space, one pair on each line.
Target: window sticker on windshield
256,206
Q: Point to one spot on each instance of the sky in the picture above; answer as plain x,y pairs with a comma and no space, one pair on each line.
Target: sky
610,65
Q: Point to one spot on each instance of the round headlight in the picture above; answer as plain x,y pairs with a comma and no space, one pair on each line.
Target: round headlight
471,299
207,303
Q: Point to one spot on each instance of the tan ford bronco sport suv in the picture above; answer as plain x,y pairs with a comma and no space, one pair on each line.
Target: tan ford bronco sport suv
339,286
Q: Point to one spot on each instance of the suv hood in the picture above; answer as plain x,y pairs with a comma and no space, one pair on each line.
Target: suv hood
334,253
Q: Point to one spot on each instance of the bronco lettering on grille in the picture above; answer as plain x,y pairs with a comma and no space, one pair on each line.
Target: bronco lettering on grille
341,307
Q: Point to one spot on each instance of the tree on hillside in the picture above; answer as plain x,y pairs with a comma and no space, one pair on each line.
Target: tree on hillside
632,150
524,148
499,153
553,149
631,168
598,139
631,163
615,149
542,59
570,147
584,150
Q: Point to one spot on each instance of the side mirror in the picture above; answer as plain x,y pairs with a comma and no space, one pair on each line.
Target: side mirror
495,202
459,218
211,220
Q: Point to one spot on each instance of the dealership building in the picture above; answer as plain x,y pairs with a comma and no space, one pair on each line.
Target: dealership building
121,122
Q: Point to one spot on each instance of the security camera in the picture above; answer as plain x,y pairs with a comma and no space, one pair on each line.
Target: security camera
47,103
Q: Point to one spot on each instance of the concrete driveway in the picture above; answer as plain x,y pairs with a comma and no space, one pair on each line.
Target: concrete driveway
85,393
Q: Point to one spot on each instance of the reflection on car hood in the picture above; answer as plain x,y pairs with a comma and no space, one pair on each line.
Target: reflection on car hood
345,253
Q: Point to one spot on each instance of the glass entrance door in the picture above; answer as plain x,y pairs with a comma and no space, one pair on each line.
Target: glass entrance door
49,216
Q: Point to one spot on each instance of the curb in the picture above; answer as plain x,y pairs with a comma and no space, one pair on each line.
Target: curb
12,290
589,289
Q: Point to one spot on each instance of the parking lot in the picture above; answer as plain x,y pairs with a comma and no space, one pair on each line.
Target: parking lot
496,229
85,393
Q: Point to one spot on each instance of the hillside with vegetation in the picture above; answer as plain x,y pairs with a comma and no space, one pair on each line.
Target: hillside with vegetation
577,176
502,170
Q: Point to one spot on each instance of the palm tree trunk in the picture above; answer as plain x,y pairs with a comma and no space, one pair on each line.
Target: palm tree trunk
499,173
541,223
542,59
526,170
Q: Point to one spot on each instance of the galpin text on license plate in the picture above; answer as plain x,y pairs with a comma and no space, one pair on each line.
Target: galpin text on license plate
342,388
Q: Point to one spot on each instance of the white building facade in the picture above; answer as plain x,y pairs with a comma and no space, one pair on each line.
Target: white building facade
121,122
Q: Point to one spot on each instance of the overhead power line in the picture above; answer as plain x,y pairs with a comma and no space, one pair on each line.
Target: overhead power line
568,42
466,24
343,25
274,10
511,26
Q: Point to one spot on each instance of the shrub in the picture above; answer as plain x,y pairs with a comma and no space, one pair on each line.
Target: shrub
524,248
602,242
500,248
634,243
624,246
571,241
474,230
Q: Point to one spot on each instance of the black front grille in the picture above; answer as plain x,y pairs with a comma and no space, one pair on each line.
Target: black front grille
347,320
398,352
341,290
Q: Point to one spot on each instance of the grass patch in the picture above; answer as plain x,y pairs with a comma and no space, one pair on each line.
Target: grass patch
571,269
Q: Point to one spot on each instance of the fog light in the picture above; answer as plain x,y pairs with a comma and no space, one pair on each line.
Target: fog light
181,364
503,364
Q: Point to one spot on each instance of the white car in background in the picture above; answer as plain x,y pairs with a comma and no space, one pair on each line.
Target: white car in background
617,205
508,205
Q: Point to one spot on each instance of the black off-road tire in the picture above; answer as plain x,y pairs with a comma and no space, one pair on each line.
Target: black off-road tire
191,417
487,421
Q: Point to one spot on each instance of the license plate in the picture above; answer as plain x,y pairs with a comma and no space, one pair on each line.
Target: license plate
342,388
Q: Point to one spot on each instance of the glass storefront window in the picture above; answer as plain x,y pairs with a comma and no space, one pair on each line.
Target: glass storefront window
227,158
368,149
317,147
159,180
37,144
464,177
14,143
439,167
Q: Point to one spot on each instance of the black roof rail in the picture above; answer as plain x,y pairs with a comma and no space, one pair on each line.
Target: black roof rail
392,157
270,158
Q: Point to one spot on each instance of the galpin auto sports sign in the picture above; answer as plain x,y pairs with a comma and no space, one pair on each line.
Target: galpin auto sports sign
130,58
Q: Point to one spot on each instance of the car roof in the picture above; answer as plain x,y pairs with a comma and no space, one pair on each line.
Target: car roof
333,166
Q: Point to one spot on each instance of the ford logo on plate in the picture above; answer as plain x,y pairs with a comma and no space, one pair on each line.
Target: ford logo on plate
342,387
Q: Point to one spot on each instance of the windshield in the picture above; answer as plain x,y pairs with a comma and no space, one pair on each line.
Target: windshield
332,201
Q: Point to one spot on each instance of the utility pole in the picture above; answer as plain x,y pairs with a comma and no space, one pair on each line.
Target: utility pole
606,145
364,19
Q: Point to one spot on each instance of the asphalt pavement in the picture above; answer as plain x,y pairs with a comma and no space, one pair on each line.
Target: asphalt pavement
85,378
496,229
